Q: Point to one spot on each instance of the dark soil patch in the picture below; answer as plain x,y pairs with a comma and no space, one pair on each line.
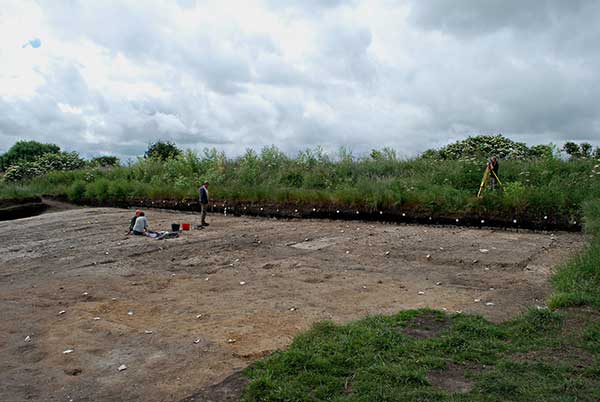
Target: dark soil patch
570,355
452,379
228,390
425,326
578,318
21,208
73,371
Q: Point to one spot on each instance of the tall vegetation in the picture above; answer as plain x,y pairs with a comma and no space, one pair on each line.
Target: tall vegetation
537,184
26,151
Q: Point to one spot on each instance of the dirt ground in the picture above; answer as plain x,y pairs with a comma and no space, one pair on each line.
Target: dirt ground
182,314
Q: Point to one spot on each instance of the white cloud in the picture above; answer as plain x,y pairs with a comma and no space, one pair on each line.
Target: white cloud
112,76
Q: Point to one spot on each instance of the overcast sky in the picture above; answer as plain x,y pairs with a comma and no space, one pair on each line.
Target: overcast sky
112,76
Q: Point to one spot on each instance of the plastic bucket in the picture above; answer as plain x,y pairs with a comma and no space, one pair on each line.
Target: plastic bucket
175,227
185,226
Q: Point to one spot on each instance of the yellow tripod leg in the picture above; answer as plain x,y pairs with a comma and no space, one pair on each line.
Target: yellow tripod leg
497,178
484,180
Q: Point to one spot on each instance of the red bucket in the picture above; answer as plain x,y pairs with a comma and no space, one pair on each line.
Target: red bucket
185,226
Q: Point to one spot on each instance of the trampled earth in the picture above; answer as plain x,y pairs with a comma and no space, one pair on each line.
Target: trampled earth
184,314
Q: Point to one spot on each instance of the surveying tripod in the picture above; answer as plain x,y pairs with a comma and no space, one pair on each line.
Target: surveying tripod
486,178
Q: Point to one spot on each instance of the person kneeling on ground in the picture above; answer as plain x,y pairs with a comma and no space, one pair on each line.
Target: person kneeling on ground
132,221
141,225
203,190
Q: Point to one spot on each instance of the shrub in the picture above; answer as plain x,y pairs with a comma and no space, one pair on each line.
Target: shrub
25,151
481,146
76,192
43,164
162,150
105,161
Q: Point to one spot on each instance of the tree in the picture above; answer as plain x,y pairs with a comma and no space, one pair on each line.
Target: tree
105,161
542,151
481,146
585,149
572,150
162,150
26,151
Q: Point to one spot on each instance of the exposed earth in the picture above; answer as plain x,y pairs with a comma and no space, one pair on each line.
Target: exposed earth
184,314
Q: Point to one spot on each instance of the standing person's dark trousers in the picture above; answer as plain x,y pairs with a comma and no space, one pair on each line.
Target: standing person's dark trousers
203,208
203,203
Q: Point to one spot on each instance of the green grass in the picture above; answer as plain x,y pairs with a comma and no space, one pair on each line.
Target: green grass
374,360
16,192
577,282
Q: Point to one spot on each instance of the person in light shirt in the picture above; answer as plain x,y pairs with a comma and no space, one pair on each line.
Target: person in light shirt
140,228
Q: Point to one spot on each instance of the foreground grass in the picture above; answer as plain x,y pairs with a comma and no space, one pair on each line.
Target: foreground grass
533,358
426,355
577,283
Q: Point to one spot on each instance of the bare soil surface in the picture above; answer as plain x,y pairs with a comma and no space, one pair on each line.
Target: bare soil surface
185,314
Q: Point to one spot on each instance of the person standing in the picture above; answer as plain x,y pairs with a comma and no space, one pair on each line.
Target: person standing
203,203
493,168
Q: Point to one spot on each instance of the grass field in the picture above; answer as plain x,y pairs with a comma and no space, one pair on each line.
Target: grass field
536,357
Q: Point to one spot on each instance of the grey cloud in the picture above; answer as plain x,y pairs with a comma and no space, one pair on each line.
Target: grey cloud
309,7
475,17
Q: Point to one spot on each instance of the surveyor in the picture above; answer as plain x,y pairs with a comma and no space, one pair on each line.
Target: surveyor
132,221
493,168
140,228
203,192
